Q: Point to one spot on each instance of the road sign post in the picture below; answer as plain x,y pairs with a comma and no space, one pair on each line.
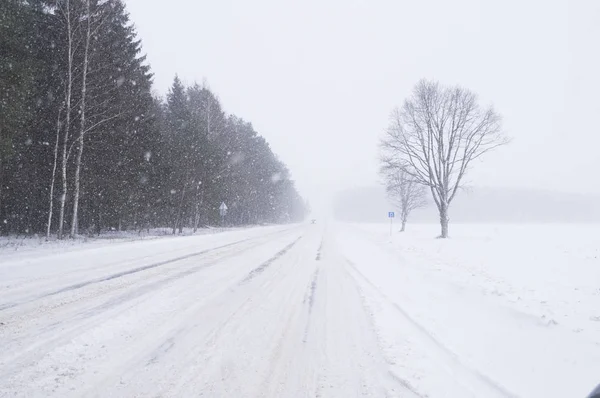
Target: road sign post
391,216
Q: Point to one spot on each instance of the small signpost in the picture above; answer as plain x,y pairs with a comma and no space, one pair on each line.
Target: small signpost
391,216
223,213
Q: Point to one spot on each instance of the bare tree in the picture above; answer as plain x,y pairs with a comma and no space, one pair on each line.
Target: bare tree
65,11
82,126
94,22
404,192
53,180
436,135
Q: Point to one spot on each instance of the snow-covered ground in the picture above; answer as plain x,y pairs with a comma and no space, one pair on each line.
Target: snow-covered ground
17,245
507,310
332,310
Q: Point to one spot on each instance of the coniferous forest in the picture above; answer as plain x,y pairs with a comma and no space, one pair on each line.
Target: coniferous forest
86,147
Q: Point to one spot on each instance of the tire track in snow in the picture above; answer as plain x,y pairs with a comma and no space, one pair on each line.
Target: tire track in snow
309,299
470,376
263,266
52,335
117,275
276,356
216,331
203,341
139,289
287,372
319,250
353,363
311,291
204,346
131,271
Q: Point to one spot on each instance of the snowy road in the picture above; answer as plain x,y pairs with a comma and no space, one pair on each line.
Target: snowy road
267,312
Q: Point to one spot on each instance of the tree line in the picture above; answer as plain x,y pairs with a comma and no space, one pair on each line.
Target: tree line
86,147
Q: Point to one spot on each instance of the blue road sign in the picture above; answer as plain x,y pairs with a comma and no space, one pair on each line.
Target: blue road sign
391,214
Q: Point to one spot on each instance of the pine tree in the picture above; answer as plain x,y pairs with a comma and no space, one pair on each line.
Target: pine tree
26,102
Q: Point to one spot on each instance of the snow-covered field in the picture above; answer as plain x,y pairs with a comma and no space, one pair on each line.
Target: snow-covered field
334,310
507,310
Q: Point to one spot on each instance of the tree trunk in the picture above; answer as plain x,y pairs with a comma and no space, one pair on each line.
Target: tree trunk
175,222
199,202
68,94
51,198
98,220
444,220
63,198
135,219
178,220
403,225
196,211
2,224
196,217
75,219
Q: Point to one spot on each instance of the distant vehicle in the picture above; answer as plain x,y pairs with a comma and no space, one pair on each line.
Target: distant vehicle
313,221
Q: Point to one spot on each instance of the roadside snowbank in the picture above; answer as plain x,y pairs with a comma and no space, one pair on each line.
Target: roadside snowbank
14,246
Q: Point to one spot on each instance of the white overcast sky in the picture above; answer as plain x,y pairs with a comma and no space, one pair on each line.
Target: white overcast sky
318,78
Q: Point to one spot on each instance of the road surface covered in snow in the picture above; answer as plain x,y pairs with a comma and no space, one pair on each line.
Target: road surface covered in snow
288,311
264,312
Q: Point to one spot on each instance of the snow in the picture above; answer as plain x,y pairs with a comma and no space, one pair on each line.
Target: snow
327,310
14,246
507,310
241,313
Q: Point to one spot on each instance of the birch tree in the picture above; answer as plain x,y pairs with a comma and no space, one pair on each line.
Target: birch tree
53,178
82,125
91,119
65,10
437,135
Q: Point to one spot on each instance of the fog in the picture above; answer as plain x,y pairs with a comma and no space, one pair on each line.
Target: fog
318,79
476,205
